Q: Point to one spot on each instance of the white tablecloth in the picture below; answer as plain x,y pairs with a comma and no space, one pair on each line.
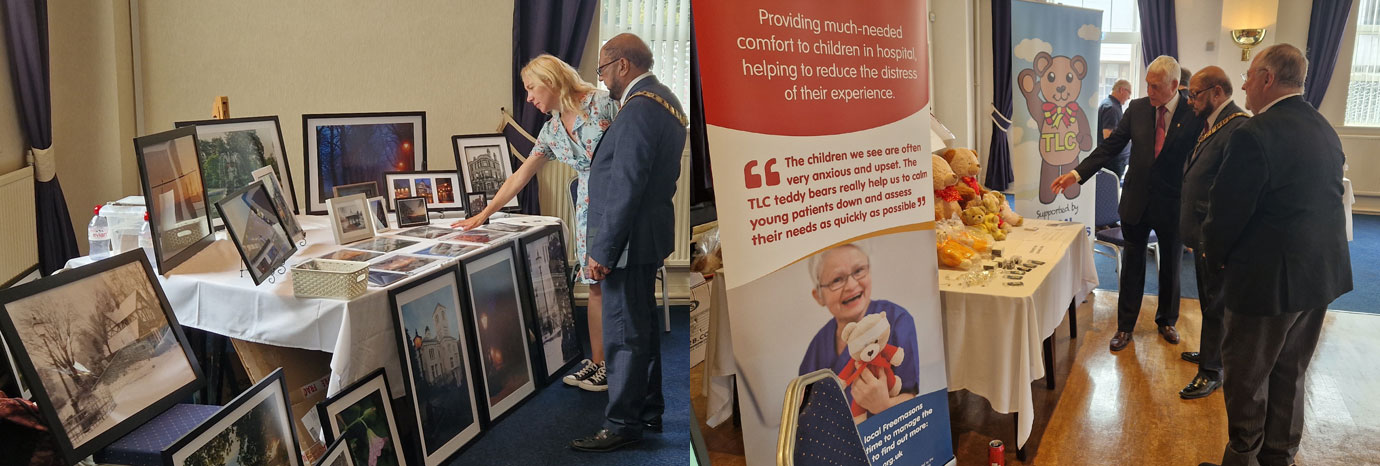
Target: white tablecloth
993,334
208,292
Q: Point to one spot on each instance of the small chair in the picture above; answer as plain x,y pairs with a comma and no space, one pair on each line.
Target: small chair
660,273
817,424
1108,221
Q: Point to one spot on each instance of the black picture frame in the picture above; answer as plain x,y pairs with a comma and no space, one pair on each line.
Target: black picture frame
481,175
415,216
275,191
193,235
249,124
497,338
451,188
475,203
56,303
367,188
271,390
269,244
548,284
338,454
318,188
374,384
438,443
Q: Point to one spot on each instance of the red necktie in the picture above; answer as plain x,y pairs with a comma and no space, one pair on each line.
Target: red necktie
1159,131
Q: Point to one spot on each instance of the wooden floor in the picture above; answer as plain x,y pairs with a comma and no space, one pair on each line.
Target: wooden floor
1109,407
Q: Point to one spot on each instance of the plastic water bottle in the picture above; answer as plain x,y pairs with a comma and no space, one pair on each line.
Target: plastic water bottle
146,240
98,232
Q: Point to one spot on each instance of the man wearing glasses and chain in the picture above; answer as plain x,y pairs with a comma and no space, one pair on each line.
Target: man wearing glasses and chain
843,285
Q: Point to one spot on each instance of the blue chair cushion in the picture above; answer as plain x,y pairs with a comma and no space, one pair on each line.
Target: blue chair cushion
1114,236
144,446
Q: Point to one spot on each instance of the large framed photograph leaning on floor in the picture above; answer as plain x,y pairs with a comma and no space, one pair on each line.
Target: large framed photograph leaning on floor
362,416
100,349
170,175
349,148
484,164
551,308
437,368
501,332
254,428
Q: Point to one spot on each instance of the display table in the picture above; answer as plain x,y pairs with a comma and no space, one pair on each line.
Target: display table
208,292
992,333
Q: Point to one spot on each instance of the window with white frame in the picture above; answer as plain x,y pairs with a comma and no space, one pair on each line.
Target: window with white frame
1121,55
1363,94
665,26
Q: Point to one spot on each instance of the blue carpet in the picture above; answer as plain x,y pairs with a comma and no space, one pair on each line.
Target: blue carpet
1365,270
540,430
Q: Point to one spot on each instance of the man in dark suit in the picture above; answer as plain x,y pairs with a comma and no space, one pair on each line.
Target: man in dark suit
1164,130
1108,115
631,229
1276,232
1210,93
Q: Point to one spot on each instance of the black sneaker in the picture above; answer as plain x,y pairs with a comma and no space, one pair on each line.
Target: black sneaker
587,368
598,382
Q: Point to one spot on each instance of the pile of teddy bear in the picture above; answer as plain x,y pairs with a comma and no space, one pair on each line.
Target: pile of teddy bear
968,217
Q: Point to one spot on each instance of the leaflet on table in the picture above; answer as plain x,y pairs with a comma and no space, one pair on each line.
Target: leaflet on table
817,118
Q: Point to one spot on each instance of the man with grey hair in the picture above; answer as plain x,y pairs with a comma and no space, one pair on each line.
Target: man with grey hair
1164,130
1276,235
1108,115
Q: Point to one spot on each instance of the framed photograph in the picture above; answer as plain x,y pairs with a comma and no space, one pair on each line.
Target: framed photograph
254,428
551,309
275,192
478,236
100,349
362,416
412,212
383,244
173,195
253,225
231,150
445,249
437,369
350,218
438,187
14,372
347,148
367,188
383,279
484,163
351,255
403,263
378,206
506,227
426,232
500,329
338,454
475,203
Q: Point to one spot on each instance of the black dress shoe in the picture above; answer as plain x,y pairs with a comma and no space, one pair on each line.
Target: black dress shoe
1120,340
604,441
1201,386
653,425
1170,335
1190,356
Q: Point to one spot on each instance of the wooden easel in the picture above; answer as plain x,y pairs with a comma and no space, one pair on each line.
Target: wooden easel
220,109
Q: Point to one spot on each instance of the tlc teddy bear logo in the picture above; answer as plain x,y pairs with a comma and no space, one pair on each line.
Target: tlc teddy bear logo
867,344
1054,105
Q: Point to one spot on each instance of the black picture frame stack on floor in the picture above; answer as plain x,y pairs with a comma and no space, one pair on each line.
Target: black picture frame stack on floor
498,322
263,410
550,302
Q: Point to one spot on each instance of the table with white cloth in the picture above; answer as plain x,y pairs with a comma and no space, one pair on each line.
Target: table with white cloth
210,292
993,333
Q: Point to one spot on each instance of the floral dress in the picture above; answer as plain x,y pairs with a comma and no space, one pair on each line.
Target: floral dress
553,141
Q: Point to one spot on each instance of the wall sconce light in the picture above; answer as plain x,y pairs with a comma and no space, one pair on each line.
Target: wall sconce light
1247,38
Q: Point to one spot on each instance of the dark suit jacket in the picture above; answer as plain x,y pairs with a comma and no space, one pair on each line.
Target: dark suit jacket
632,180
1148,178
1276,220
1201,171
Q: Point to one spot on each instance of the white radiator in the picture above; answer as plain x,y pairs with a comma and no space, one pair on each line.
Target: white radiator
555,202
18,225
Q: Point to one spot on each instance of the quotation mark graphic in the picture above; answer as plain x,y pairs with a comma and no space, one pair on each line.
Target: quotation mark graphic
754,180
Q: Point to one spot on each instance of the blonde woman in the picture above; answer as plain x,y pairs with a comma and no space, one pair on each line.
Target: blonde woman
580,114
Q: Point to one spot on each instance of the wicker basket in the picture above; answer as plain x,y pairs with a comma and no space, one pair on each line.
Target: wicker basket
332,279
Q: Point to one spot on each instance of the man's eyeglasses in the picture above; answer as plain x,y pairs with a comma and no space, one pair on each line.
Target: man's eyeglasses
600,69
1194,95
837,283
1247,74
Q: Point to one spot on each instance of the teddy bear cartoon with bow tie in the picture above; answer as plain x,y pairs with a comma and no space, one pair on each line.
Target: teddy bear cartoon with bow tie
1051,89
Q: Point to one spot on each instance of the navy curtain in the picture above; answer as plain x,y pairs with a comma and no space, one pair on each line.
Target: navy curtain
999,175
1159,33
26,35
557,27
701,179
1325,27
